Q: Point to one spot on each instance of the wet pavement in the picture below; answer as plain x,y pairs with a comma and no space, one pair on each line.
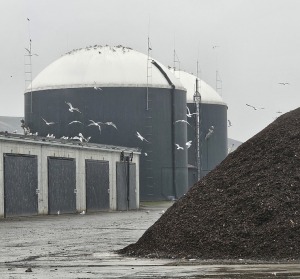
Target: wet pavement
82,246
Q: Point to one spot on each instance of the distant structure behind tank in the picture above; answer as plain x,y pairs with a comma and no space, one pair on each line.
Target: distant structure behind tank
122,87
212,126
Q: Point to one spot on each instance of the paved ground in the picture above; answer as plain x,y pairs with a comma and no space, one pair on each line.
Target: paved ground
81,246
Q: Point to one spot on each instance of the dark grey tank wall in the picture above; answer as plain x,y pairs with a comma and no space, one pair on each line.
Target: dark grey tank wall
213,149
127,108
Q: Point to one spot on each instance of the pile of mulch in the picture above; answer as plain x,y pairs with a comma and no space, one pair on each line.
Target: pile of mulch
248,207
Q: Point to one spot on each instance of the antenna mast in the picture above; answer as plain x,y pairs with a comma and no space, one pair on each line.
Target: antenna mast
218,77
149,72
197,100
28,66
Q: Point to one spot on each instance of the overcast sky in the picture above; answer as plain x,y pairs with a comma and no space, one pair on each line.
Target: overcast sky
258,46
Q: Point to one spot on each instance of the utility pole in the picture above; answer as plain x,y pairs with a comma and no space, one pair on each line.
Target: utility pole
197,100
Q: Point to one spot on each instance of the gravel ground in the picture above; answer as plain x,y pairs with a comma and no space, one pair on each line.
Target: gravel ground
82,246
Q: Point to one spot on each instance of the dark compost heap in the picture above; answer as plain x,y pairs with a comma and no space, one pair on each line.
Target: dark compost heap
247,207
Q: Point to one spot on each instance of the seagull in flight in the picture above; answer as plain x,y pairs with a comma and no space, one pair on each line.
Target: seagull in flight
140,137
71,108
184,121
229,123
189,114
48,123
255,108
189,144
75,121
178,146
209,133
283,83
95,124
110,124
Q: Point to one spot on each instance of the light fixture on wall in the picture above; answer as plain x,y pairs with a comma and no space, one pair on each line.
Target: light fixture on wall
122,156
131,156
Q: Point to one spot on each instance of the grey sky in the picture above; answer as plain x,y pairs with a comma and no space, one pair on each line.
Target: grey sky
259,42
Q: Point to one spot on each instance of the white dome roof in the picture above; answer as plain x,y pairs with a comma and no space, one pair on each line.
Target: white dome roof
103,66
208,94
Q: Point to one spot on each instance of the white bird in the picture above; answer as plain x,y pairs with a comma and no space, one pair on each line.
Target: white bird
95,124
229,123
184,121
162,212
140,137
255,108
189,144
58,212
77,138
189,114
48,123
96,87
210,132
82,213
75,121
111,124
283,83
71,108
50,136
178,146
82,137
146,154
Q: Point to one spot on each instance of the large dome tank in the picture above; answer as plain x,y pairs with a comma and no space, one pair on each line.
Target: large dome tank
127,88
205,154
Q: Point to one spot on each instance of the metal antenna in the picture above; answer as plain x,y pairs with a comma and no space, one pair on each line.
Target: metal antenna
28,66
149,69
218,77
175,59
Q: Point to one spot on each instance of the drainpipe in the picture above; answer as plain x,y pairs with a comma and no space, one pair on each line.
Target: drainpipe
172,127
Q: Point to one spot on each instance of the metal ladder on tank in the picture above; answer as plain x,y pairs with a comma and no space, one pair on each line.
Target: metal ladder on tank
28,71
149,129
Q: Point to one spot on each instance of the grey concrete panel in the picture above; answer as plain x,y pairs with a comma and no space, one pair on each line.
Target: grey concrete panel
132,186
122,186
166,182
97,185
20,185
61,185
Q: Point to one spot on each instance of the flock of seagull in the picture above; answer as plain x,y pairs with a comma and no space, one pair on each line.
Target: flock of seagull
81,138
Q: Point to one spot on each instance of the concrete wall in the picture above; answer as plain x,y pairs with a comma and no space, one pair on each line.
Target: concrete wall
80,153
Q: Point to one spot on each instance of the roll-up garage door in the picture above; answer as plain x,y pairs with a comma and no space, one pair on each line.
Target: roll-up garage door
20,185
97,185
61,185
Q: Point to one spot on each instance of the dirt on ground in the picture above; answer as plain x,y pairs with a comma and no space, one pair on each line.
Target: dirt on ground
248,207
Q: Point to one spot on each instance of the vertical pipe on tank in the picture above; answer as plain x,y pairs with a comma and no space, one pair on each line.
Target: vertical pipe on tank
173,140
